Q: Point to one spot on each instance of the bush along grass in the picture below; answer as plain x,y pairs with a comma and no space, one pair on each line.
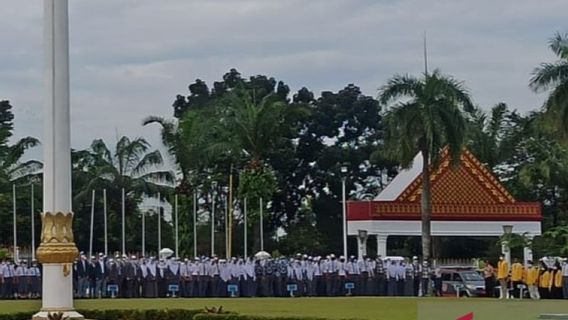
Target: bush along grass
167,314
207,316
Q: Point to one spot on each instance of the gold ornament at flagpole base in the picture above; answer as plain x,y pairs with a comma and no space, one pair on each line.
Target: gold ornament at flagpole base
57,242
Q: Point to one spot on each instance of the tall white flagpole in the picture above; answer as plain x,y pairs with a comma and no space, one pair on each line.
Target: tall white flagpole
105,220
92,224
246,230
213,224
195,223
261,226
177,225
143,233
227,226
123,224
57,250
16,253
159,223
33,221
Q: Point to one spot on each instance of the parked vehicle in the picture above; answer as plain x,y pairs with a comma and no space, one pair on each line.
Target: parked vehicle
467,281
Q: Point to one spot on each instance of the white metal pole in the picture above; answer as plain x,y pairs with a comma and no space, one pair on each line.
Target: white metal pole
246,230
213,224
177,225
57,285
344,220
227,226
123,224
16,253
159,222
261,226
92,224
195,223
143,233
105,220
33,221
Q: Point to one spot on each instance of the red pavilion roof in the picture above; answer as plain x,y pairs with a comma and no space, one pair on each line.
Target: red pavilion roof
465,192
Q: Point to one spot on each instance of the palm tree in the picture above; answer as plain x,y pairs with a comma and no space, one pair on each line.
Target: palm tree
254,124
426,116
553,77
129,167
12,169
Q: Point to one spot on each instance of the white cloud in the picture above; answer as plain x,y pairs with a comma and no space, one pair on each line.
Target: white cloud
131,57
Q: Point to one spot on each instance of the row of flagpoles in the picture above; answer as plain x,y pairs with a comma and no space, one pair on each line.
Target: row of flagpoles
158,209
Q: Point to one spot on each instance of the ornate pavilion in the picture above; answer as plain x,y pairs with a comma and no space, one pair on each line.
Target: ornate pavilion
467,201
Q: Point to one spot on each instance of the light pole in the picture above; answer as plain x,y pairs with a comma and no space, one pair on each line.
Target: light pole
195,223
159,211
32,219
213,186
344,208
261,225
507,231
226,197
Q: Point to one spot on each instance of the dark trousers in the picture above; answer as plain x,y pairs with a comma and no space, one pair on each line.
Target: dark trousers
438,286
417,281
381,285
489,286
8,288
214,286
391,287
516,290
363,284
425,287
203,285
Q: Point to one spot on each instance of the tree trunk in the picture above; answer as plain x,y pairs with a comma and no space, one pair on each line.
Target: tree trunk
426,206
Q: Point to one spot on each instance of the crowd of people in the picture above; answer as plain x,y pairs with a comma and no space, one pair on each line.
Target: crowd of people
302,275
548,279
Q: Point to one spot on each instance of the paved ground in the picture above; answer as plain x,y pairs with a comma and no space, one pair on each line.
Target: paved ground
336,308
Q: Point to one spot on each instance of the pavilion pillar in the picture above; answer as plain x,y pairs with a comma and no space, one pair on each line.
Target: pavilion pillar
361,244
527,254
382,245
57,250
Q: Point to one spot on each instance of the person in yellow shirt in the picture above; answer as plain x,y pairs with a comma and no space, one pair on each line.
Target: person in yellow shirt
557,282
517,271
544,283
502,275
531,280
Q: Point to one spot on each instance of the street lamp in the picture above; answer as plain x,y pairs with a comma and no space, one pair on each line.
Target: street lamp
344,207
362,237
507,231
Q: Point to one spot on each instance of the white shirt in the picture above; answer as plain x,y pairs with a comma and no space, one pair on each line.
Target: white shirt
565,270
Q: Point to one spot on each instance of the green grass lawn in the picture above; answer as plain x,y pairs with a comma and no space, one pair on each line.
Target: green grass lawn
335,308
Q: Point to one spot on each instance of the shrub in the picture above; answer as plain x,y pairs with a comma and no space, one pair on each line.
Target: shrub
166,314
206,316
17,316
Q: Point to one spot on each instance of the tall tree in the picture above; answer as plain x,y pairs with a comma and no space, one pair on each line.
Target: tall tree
427,115
553,78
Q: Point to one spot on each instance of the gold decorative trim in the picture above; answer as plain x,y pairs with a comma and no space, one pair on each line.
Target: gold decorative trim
57,241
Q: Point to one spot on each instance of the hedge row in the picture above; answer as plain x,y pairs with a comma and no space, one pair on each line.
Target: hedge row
167,314
207,316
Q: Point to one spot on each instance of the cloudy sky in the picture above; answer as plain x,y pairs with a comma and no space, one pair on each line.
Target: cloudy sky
129,58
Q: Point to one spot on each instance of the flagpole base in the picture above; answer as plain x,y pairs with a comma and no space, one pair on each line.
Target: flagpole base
69,314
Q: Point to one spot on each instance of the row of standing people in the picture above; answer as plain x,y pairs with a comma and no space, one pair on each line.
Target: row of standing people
547,279
20,279
133,277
